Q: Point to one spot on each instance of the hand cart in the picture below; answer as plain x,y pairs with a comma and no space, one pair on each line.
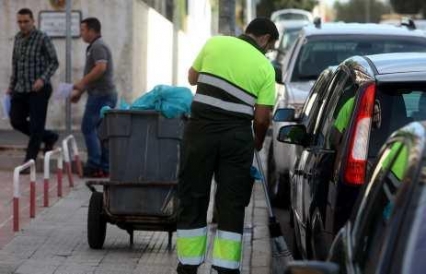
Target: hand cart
141,193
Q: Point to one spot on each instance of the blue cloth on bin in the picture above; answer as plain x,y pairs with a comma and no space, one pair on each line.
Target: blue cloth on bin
103,110
171,101
122,104
255,174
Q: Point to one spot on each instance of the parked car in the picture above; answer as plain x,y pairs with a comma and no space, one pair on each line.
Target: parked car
386,234
316,48
289,31
291,14
366,99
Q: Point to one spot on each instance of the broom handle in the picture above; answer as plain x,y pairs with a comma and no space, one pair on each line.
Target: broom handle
264,184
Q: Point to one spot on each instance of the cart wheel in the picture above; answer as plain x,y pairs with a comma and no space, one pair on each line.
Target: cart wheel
96,223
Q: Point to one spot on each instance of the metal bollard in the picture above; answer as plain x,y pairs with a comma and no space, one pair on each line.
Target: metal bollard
66,153
17,194
47,156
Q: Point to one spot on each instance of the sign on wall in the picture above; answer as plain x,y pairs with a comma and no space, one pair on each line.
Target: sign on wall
58,4
54,23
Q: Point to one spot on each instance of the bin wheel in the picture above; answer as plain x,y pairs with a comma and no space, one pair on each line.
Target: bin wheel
96,223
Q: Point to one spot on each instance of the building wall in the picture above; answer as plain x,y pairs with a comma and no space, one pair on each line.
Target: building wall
141,41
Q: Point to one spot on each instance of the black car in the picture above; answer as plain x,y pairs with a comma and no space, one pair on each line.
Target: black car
387,232
367,99
317,47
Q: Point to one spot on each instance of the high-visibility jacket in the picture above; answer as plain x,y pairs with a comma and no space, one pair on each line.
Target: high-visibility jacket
234,75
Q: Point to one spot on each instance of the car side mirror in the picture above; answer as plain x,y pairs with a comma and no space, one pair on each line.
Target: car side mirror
284,115
293,134
311,267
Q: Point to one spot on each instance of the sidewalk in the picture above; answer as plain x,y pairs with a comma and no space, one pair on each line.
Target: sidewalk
55,243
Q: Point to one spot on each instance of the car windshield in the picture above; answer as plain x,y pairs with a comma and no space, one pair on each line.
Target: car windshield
393,109
317,53
288,38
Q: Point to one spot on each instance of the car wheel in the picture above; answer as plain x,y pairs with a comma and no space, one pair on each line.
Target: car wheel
319,248
278,185
96,223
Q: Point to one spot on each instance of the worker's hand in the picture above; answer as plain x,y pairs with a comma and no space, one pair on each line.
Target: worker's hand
75,96
38,84
8,91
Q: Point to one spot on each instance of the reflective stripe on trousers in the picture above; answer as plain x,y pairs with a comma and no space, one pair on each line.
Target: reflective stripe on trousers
191,245
227,249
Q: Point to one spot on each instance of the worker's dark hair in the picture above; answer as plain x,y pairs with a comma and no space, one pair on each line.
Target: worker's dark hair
26,11
93,24
261,26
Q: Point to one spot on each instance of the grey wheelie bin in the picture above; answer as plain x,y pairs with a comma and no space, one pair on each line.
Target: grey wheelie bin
144,153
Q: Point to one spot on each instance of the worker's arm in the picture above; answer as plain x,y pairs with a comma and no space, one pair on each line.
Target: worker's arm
97,71
192,76
262,119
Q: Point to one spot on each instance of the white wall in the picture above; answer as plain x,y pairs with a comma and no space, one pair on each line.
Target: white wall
141,41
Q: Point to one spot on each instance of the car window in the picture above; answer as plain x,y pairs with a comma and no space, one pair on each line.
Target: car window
289,56
312,105
321,52
292,16
338,113
376,209
288,38
415,256
394,109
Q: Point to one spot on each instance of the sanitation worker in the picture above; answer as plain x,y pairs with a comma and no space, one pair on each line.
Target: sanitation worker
234,98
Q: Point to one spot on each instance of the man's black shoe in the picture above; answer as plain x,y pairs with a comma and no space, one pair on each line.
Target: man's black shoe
187,269
50,144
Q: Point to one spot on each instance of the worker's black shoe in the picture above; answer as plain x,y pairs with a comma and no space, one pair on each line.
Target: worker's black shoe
186,269
221,270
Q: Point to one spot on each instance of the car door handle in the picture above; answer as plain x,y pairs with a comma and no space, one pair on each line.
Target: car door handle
309,175
298,172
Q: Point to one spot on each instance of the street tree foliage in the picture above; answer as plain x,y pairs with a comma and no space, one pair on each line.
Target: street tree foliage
409,6
356,11
266,7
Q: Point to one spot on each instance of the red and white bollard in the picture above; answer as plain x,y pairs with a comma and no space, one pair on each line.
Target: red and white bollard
67,160
57,151
17,194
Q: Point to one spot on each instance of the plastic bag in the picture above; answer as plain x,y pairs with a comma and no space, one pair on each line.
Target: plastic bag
171,101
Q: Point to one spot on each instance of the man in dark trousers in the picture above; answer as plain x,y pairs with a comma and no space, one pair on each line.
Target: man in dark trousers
34,61
98,81
235,86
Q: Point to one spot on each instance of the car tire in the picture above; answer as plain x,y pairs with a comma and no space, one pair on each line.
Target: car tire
96,223
318,244
278,184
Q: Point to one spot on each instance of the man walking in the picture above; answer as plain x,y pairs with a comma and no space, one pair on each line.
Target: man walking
98,81
235,86
34,61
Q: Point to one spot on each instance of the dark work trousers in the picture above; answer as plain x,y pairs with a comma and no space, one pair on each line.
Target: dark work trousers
227,155
28,115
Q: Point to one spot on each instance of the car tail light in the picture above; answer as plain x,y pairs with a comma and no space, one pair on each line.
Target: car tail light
356,163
